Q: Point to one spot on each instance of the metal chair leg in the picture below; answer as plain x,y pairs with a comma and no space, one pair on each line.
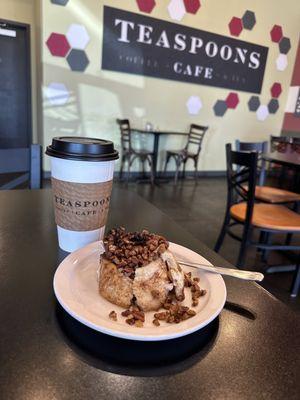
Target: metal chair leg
296,281
268,240
166,163
128,169
130,162
288,239
222,233
143,166
261,240
121,167
196,168
177,171
184,165
150,161
243,249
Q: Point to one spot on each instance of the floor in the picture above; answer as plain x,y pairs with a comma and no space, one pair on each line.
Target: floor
199,207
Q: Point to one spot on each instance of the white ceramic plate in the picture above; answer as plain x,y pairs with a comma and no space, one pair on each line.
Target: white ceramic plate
76,288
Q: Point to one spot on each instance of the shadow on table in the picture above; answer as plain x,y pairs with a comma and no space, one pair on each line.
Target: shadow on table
135,358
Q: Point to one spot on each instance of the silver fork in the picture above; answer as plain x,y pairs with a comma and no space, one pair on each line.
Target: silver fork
236,273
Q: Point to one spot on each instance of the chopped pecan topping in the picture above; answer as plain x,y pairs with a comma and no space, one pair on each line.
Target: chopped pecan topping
130,250
113,315
130,321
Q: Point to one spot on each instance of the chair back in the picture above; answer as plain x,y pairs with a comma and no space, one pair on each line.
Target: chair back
195,137
259,147
280,143
125,134
241,173
296,145
22,160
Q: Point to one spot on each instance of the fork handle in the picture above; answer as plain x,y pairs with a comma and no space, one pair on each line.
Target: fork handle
236,273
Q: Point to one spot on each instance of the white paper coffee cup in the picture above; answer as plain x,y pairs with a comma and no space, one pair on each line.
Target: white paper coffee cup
81,188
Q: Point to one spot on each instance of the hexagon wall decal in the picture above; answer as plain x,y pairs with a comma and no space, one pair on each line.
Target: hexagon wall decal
284,45
253,103
146,5
235,26
273,106
176,9
276,89
57,93
276,33
262,112
194,105
58,45
60,2
232,100
249,20
77,36
77,60
281,62
192,6
220,108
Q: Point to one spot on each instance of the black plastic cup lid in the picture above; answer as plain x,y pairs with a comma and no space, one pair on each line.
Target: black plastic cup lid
82,149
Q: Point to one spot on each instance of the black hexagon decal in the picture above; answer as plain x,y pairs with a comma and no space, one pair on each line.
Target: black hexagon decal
273,106
284,45
253,103
220,108
60,2
77,60
249,20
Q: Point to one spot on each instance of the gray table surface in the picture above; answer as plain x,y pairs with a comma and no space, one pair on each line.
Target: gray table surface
253,353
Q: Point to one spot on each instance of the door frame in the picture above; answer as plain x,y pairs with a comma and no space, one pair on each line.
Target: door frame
14,24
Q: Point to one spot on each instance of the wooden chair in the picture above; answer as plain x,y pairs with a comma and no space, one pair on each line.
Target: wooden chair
241,209
129,154
285,175
194,142
27,160
267,194
296,145
280,143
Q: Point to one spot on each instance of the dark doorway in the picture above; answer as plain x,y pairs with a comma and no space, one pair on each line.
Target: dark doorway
15,85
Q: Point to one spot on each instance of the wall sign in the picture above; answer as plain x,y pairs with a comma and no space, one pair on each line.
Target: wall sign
138,44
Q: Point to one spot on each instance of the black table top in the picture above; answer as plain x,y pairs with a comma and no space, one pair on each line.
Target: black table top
250,352
290,159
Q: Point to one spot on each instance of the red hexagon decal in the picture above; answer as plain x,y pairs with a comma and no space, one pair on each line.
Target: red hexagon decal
146,5
232,100
276,33
276,89
58,45
235,26
192,6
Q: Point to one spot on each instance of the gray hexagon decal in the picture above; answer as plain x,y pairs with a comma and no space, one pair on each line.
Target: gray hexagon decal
253,103
249,20
220,108
77,60
273,106
284,45
60,2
